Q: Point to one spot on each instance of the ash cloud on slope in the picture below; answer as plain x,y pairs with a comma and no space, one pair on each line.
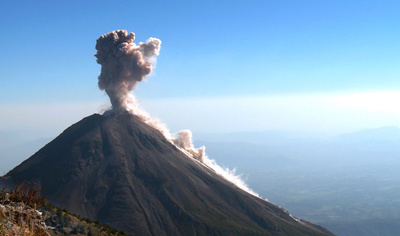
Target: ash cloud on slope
123,65
184,140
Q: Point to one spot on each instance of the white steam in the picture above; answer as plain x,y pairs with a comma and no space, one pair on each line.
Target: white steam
123,64
184,140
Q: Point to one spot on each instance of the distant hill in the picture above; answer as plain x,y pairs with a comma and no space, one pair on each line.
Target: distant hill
389,135
348,183
16,152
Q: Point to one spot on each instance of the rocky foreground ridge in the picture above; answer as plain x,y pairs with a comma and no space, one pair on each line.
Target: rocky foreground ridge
16,218
24,212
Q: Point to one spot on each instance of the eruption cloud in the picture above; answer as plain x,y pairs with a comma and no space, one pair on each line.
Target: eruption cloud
123,65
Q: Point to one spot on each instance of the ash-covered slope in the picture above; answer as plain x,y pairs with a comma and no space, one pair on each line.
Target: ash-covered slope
120,171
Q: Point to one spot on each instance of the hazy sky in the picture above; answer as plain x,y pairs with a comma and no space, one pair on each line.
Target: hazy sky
224,66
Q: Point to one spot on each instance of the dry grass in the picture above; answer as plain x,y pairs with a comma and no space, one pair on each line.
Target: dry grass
21,193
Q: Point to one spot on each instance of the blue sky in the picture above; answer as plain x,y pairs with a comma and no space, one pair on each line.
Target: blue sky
212,51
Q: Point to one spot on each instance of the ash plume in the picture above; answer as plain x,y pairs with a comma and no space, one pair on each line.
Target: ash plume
124,64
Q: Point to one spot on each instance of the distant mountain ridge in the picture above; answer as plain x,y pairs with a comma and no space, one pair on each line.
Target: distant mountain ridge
387,133
120,171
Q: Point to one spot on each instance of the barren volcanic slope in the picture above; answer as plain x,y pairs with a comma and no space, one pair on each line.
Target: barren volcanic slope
120,171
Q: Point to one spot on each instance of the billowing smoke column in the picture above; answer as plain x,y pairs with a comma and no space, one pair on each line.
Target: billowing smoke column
123,64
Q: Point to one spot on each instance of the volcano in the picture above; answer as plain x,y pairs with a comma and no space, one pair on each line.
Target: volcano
118,170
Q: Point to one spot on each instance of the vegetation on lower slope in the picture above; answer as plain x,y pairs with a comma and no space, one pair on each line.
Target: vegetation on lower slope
24,212
18,214
64,223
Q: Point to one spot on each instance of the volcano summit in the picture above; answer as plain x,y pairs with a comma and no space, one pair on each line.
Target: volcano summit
120,171
124,169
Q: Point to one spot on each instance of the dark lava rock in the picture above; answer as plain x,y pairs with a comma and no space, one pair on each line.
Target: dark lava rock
120,171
